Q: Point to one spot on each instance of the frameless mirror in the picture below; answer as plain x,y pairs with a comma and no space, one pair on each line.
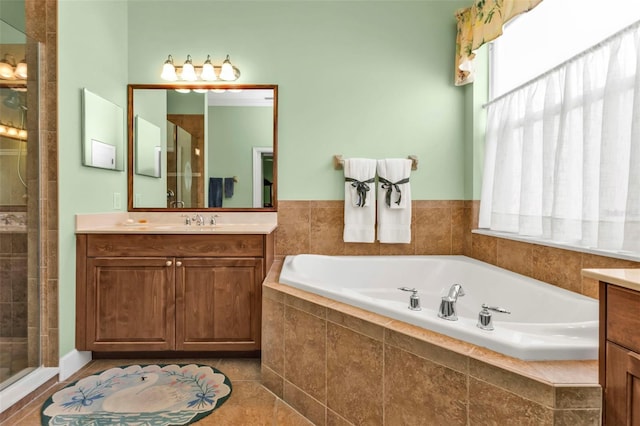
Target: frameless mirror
102,132
148,144
217,147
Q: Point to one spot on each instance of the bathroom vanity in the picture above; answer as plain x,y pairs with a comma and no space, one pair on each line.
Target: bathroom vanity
619,360
156,288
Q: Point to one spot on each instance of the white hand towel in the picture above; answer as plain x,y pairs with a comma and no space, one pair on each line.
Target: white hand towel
359,200
394,200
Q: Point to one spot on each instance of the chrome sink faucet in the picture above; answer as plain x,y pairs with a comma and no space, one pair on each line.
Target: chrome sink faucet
448,303
199,219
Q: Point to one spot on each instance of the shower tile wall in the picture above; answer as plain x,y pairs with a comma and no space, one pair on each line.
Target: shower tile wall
13,303
438,227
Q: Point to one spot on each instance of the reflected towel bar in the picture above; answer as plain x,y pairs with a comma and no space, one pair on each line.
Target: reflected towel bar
338,162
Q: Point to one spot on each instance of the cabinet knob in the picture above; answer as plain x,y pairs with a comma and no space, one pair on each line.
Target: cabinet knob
168,263
178,263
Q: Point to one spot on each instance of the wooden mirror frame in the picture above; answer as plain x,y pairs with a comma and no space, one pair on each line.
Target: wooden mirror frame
131,143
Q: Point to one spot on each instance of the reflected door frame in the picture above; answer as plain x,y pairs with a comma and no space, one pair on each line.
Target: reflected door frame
258,180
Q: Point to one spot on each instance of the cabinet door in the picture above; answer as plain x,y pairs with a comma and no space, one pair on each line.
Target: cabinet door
218,304
130,304
622,393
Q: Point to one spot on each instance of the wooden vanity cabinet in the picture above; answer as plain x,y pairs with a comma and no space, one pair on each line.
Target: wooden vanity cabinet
149,292
620,354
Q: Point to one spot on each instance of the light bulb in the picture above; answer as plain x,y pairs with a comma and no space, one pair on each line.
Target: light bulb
208,73
6,70
12,131
188,72
3,129
183,90
201,90
21,70
168,70
22,134
226,72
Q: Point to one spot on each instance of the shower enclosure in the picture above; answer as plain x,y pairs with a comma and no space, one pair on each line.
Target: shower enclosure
19,206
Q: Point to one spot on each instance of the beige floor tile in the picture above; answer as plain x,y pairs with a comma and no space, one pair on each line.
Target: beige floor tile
250,403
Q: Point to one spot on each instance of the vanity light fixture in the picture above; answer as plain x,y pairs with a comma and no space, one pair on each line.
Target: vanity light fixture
9,70
188,71
207,72
13,132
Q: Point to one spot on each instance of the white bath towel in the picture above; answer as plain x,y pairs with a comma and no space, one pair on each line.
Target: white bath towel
359,200
394,200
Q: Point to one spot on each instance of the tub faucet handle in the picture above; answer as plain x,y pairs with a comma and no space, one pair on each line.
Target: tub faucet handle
414,299
485,321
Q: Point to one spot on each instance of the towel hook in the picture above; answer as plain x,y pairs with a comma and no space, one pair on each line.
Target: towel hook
338,162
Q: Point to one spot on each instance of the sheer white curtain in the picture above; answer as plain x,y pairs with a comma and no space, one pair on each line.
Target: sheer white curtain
562,154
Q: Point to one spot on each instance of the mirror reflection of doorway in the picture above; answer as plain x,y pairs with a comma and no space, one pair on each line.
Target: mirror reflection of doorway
262,176
185,164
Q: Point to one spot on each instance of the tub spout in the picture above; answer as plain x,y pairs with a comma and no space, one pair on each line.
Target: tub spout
448,303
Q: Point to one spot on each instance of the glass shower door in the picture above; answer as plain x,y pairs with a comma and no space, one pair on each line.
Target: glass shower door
19,207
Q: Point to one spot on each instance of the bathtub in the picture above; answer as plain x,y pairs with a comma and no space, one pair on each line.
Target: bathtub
546,322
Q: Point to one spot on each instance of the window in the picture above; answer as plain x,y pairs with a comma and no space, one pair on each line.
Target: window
562,156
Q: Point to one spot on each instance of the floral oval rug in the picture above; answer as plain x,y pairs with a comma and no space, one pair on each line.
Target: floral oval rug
153,395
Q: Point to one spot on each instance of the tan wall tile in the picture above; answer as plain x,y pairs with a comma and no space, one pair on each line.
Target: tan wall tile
361,326
273,335
578,397
305,404
305,353
515,256
490,405
484,248
420,392
354,374
285,415
577,417
534,390
306,306
361,249
333,419
272,381
326,230
292,238
428,351
557,267
433,230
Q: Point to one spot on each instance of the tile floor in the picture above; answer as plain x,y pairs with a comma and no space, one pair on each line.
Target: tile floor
249,404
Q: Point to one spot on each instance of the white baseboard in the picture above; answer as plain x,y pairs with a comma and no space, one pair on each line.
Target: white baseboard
73,362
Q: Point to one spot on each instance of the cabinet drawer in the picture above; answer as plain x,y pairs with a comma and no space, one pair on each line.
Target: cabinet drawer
623,317
226,245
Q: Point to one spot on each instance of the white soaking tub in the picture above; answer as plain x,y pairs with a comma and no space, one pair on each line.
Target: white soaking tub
545,323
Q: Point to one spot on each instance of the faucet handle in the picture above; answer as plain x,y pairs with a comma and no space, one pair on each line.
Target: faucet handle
496,309
212,219
187,219
485,321
414,299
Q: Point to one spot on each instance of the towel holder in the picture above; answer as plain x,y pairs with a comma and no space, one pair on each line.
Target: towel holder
338,162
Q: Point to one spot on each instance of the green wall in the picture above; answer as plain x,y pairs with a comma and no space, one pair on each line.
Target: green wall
92,53
357,78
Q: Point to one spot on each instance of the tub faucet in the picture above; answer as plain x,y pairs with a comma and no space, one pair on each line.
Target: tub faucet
448,303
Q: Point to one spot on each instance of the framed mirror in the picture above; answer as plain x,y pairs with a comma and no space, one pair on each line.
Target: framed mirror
202,147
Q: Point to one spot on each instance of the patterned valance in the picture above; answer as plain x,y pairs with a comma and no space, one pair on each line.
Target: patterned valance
479,24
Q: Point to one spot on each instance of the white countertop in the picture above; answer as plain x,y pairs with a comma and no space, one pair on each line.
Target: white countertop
174,223
628,278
